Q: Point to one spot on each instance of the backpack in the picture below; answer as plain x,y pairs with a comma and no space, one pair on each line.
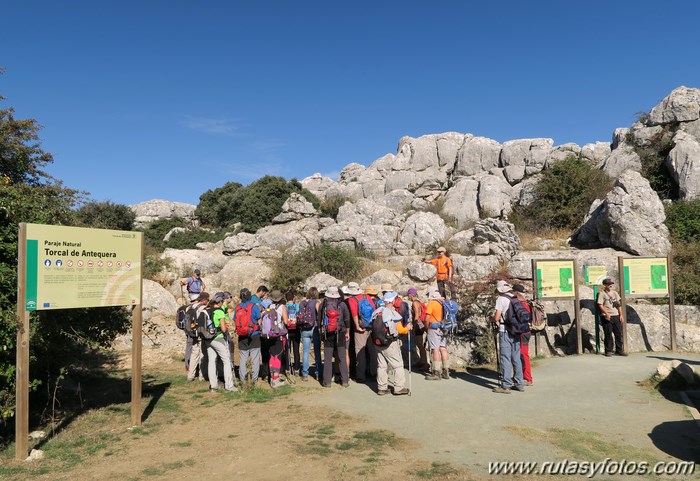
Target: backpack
292,315
181,316
205,325
365,309
517,320
538,319
243,319
331,318
422,313
449,316
192,283
383,333
191,321
402,308
272,325
306,317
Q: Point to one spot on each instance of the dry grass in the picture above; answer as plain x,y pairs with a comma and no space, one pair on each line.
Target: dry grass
530,241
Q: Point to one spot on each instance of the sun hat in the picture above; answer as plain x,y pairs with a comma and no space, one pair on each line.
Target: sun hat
371,291
354,288
387,287
332,293
276,295
503,287
441,249
389,297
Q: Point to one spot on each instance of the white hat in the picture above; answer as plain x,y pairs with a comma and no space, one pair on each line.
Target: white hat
435,295
353,289
503,287
332,293
389,297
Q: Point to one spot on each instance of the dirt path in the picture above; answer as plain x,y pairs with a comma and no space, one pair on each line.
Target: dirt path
581,407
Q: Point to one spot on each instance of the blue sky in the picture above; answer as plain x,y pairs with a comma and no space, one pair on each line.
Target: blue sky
166,99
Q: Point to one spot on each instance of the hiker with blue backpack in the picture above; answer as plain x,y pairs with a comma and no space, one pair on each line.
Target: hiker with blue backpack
246,318
386,327
512,320
195,284
361,309
334,323
437,337
309,332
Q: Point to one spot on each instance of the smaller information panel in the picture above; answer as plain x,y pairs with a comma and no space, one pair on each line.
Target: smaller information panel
646,276
555,278
70,267
594,275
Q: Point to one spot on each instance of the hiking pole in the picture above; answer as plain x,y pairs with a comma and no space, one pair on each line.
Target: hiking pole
410,390
498,356
290,366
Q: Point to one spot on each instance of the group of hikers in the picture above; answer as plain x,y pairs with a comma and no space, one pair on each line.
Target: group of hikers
370,333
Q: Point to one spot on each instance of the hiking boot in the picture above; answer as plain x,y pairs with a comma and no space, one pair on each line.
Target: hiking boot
213,389
304,378
401,392
528,383
382,392
346,384
501,390
328,386
445,374
621,354
608,354
232,389
433,376
519,389
275,383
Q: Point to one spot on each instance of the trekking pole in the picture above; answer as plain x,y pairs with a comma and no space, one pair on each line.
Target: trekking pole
498,356
185,300
410,390
290,366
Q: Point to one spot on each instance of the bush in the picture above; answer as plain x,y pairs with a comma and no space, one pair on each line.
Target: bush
653,159
291,270
330,206
563,196
154,232
254,206
686,272
105,215
683,219
191,237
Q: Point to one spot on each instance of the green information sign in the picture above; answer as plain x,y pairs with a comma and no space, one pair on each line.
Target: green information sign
594,275
646,276
555,278
69,267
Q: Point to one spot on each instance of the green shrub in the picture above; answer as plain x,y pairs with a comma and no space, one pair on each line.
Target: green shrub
330,206
653,159
191,237
686,272
683,219
291,270
105,215
154,232
563,196
254,205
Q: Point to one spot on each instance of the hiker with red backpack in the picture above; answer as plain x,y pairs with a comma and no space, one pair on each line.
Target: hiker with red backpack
334,322
246,318
437,339
418,314
519,290
309,332
510,316
274,322
386,327
361,308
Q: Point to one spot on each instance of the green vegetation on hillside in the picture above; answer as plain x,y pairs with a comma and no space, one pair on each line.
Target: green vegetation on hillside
683,222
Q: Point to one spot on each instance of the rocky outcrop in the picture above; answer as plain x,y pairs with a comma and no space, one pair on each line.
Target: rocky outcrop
684,164
621,159
681,105
296,207
157,300
630,218
161,209
497,237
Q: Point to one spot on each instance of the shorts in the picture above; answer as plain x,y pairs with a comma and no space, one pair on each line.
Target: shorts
436,339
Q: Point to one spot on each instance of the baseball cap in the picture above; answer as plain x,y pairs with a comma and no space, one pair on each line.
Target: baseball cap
198,272
413,291
607,281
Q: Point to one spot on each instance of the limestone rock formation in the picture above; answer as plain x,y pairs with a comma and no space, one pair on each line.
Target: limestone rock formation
296,207
681,105
684,164
630,218
161,209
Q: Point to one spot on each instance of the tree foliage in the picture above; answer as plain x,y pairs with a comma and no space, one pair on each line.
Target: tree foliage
57,339
253,206
105,215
